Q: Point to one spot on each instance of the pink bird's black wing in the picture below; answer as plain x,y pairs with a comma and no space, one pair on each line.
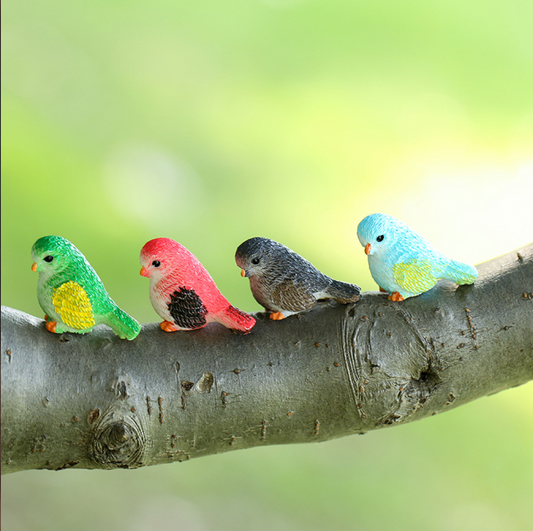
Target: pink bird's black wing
187,309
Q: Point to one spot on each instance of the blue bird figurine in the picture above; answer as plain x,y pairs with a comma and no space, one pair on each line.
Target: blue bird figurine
403,263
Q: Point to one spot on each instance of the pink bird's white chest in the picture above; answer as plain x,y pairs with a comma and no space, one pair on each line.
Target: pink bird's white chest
160,299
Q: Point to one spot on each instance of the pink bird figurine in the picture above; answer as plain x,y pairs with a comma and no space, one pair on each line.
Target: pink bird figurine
183,293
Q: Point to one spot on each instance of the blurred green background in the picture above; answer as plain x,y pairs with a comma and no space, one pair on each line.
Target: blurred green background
293,119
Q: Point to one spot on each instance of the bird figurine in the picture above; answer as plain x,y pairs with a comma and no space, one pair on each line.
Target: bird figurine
402,262
284,282
183,293
71,294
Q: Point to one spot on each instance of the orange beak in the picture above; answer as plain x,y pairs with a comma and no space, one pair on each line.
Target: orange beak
34,267
367,248
243,273
143,272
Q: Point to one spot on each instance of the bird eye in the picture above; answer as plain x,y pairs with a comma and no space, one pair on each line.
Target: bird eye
380,238
48,258
156,263
255,261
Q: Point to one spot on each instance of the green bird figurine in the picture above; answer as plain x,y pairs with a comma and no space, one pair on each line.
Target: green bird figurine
71,294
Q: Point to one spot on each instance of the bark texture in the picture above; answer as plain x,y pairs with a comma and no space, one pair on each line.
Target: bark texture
95,401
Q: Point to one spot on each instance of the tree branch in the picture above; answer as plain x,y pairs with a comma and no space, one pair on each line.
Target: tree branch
96,401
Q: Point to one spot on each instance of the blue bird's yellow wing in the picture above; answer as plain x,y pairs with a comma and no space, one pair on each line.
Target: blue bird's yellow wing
72,303
415,276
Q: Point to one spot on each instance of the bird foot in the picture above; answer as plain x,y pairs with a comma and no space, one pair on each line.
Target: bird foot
167,326
51,326
46,317
278,316
396,297
382,290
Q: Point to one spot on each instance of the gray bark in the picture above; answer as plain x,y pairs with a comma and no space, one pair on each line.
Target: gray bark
95,401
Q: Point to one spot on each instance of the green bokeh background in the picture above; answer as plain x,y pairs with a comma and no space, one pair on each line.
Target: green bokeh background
293,119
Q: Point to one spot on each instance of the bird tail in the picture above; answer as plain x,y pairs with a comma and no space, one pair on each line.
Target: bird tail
343,292
459,273
125,326
235,319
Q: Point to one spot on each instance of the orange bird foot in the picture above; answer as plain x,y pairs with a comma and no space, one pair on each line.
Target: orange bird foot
396,297
167,326
46,317
51,326
382,290
278,316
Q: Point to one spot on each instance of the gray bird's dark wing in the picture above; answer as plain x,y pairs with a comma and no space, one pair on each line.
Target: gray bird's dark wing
292,297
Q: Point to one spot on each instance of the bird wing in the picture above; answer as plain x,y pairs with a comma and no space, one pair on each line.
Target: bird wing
72,303
187,309
292,297
415,276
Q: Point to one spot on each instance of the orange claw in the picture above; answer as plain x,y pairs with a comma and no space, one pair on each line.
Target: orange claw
396,297
278,316
382,290
167,326
51,326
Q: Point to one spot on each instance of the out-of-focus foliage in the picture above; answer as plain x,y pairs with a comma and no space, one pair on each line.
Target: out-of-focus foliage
293,119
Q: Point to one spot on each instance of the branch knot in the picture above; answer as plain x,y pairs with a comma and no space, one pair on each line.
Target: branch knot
118,442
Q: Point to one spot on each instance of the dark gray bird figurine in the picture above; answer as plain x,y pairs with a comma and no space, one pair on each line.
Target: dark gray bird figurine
284,282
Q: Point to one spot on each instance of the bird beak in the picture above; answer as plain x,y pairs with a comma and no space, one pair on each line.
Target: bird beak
34,267
243,273
144,272
367,248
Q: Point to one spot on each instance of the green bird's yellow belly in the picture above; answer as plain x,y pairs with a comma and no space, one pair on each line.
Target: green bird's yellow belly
72,303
